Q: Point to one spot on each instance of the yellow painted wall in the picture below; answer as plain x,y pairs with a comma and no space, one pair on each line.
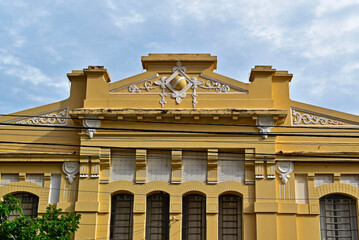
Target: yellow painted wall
270,210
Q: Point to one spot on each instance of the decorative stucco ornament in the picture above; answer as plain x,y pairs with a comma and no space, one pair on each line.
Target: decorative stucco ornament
265,123
91,123
51,117
70,169
178,84
312,119
284,168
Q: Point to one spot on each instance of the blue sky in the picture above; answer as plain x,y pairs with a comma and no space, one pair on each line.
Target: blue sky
317,41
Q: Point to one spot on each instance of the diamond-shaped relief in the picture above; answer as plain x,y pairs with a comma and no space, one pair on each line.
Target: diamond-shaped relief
178,83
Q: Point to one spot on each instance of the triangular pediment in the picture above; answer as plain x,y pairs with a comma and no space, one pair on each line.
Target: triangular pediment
52,117
178,84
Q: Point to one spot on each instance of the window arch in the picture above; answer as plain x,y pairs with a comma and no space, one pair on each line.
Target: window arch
121,217
338,217
230,217
157,216
29,205
194,217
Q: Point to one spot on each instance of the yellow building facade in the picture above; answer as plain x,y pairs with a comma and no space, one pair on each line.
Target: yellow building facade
182,152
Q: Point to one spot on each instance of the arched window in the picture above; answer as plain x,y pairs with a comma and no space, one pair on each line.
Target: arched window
121,217
194,217
230,217
29,205
338,218
157,217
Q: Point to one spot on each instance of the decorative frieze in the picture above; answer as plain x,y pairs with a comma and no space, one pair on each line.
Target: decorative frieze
306,118
52,117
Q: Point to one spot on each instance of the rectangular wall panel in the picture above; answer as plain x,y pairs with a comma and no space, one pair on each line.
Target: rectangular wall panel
230,167
123,165
158,165
35,178
9,178
55,185
301,188
194,166
322,179
351,179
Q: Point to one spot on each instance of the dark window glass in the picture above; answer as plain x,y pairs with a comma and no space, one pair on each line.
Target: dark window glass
194,217
157,217
29,205
230,217
121,217
338,218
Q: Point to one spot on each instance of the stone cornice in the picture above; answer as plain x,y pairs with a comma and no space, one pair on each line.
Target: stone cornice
277,114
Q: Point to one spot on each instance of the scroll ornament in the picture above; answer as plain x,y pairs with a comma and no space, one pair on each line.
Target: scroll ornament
310,119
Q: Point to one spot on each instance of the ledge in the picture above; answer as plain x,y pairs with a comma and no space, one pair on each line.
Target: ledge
110,112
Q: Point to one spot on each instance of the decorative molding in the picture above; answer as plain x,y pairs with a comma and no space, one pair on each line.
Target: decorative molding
53,117
91,123
177,85
259,170
265,123
70,169
284,168
220,86
270,169
133,88
300,117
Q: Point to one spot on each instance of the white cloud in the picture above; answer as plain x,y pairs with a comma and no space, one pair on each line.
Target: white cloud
350,67
124,21
123,18
329,6
25,72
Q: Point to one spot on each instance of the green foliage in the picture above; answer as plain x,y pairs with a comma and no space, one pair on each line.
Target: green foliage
51,225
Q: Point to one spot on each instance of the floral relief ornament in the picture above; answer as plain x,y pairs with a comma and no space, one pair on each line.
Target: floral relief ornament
284,169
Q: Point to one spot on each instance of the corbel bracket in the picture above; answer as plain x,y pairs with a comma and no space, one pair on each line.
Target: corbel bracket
265,123
91,123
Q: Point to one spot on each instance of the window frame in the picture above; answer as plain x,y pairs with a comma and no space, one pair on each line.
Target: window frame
238,201
33,200
337,210
162,211
186,215
116,200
